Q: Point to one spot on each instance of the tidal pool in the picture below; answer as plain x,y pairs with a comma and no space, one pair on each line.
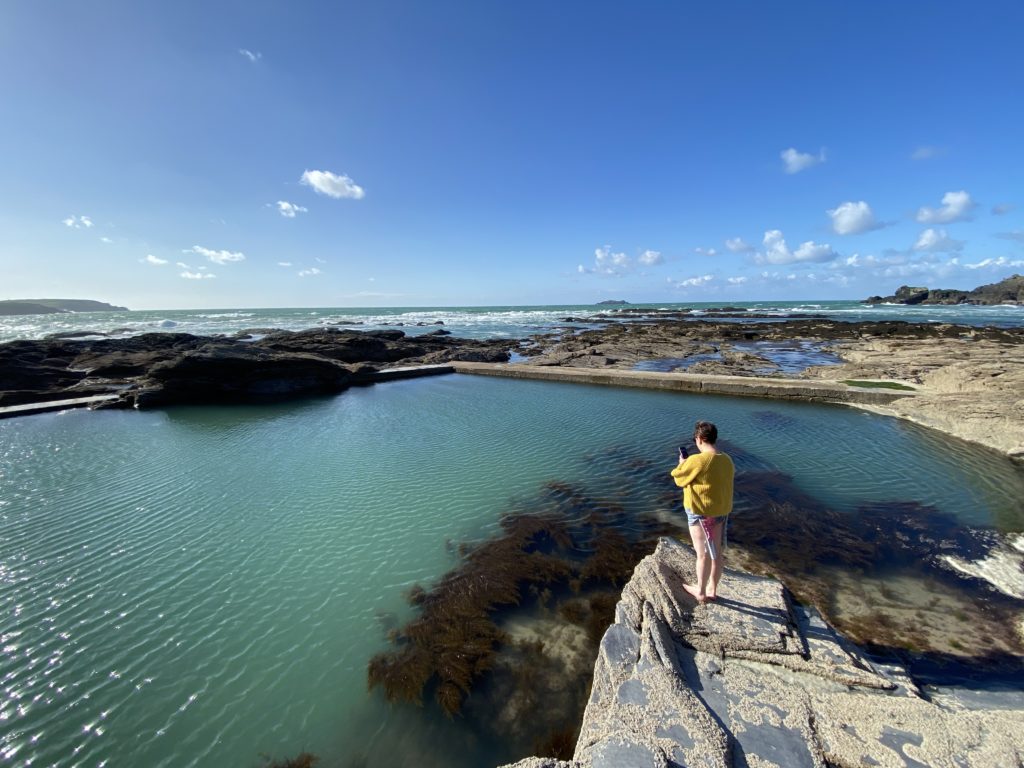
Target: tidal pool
786,356
203,586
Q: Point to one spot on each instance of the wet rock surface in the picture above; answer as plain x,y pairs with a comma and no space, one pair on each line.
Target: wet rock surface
156,369
623,345
969,381
757,679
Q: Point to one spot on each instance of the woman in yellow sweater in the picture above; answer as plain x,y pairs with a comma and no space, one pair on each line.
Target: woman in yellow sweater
706,479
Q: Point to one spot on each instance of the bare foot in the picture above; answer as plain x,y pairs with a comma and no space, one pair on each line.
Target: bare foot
695,593
711,597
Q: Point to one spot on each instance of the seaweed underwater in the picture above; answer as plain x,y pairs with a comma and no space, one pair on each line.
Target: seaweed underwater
483,642
453,640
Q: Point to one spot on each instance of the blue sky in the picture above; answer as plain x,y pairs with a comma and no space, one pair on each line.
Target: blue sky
258,154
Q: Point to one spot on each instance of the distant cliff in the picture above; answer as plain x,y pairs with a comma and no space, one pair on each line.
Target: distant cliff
54,306
1008,291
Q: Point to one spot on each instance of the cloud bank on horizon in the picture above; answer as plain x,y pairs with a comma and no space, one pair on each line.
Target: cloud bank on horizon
507,164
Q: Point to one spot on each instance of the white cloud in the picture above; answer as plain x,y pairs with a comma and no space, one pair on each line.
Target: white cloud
736,280
705,251
77,222
691,282
308,272
251,55
956,206
318,260
777,252
929,268
738,245
937,241
606,262
870,261
284,263
183,265
926,153
776,277
852,218
332,185
798,161
288,210
1002,261
616,263
1002,208
197,275
217,257
106,240
155,261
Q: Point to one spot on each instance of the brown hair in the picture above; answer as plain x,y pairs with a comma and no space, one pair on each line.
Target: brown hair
706,431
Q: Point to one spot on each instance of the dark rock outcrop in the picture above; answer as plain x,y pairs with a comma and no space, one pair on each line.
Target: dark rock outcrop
162,368
230,373
1008,291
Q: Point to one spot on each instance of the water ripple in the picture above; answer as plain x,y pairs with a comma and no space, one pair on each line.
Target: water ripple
199,586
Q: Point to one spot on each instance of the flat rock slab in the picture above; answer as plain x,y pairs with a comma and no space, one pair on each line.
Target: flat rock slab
751,614
819,390
27,409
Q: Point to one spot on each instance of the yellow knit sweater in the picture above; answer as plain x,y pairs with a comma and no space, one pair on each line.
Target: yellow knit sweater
706,480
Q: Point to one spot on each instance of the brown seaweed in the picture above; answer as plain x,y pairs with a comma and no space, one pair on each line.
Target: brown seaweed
452,642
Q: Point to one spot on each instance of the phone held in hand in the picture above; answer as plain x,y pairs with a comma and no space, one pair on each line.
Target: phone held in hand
683,452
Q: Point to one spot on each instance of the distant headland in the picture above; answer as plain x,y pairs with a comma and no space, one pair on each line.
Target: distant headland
54,306
612,302
1008,291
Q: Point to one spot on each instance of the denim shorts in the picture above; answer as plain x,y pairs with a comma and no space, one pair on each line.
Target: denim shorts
692,519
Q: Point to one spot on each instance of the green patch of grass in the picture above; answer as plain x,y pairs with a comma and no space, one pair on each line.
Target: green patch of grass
877,384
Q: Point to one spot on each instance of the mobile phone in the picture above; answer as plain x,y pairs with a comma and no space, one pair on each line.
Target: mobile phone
683,452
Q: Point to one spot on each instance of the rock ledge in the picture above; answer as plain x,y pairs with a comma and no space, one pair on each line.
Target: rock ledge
755,679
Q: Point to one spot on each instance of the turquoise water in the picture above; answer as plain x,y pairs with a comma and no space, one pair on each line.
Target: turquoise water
510,322
204,585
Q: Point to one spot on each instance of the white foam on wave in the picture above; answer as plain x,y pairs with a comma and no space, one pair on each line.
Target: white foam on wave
1003,567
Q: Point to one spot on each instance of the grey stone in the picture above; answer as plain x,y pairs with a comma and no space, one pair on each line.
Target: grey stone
623,753
620,645
632,692
896,740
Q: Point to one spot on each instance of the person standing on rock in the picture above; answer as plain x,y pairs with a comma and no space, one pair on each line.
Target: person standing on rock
707,481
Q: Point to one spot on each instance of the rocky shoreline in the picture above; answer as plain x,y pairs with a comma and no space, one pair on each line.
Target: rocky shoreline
157,369
1008,291
968,380
758,679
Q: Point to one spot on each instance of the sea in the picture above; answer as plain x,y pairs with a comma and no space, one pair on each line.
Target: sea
206,586
510,322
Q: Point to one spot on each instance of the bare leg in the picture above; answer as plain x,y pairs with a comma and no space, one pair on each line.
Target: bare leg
719,562
703,563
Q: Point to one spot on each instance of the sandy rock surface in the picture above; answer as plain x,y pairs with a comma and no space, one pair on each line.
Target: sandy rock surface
972,389
755,679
